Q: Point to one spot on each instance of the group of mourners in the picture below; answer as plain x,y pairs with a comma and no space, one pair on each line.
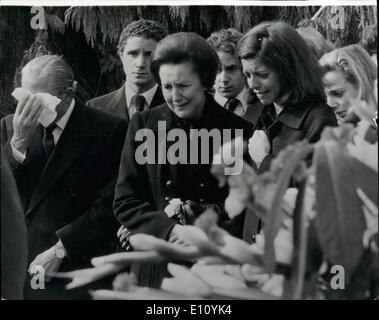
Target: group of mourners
82,191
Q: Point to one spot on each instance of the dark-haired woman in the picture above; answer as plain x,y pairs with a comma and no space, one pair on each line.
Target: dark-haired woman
286,77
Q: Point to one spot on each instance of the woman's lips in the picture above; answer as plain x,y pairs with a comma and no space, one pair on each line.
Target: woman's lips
180,105
261,93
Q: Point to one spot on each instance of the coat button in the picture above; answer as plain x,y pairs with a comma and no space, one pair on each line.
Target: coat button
201,200
167,199
202,185
169,183
253,238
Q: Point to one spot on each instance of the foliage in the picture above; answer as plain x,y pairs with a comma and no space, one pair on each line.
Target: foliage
15,38
353,23
101,27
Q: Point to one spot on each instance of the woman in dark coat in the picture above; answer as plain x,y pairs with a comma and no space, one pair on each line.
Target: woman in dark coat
287,79
185,66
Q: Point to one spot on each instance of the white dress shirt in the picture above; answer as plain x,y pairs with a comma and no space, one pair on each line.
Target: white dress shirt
57,132
130,94
242,97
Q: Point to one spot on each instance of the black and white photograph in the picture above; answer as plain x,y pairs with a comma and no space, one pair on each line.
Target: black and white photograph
189,150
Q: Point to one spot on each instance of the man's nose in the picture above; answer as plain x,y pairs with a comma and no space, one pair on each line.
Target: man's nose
141,61
224,77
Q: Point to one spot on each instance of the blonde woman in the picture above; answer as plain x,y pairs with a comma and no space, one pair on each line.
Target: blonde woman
349,76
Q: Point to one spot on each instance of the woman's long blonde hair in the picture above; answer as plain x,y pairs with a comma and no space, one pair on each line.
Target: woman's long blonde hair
357,67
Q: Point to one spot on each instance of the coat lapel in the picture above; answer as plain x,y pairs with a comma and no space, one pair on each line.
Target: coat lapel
74,138
253,112
118,104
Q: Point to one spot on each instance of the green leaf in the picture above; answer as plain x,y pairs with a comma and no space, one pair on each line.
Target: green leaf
293,156
339,220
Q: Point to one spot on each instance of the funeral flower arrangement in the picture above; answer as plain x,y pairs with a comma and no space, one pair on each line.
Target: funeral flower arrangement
319,238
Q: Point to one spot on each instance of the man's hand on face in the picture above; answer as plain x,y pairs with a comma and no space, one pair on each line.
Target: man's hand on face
25,120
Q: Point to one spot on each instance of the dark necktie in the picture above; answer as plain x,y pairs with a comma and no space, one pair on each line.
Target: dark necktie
232,104
48,140
139,101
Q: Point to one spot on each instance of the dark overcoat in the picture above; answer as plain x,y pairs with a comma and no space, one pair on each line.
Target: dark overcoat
70,196
144,190
303,121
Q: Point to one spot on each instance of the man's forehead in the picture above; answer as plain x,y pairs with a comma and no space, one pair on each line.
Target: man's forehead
227,58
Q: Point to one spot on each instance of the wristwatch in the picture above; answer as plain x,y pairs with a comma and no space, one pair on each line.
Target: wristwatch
60,252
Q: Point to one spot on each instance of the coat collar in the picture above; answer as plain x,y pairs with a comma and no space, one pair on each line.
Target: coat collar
119,106
292,115
164,113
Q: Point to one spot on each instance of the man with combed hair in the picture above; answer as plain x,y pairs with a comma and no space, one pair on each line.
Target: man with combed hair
140,91
230,86
65,166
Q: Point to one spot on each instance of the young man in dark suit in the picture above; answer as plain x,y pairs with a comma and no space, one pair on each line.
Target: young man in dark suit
65,166
140,91
231,90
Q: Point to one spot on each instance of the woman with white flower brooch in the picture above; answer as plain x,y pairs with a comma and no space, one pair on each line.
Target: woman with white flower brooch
284,74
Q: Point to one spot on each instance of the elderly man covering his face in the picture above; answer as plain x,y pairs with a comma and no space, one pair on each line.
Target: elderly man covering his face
65,161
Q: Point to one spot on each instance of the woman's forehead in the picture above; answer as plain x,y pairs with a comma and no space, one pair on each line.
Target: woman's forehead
178,71
334,78
253,64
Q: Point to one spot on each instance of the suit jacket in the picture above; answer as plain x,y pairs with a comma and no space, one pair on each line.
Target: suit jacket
115,102
254,107
70,197
304,121
143,191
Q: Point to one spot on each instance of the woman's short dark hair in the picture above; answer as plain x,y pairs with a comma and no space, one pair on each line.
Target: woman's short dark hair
187,47
281,49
